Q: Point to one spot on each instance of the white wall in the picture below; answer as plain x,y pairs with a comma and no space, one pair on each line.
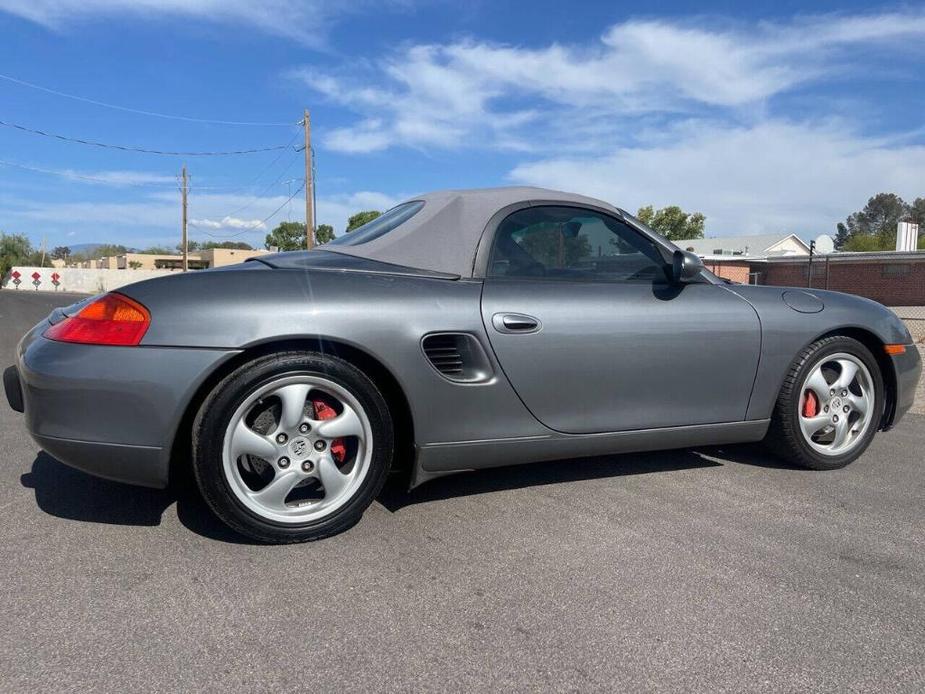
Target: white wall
907,236
79,280
788,246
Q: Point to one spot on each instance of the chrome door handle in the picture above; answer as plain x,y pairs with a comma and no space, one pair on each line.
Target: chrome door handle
515,323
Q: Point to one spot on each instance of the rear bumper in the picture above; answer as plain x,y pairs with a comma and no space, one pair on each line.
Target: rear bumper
109,411
908,369
13,388
146,466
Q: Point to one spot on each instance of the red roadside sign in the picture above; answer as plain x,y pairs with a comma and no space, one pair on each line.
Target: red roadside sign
55,277
36,276
16,274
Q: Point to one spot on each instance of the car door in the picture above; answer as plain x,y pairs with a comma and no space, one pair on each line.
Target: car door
594,336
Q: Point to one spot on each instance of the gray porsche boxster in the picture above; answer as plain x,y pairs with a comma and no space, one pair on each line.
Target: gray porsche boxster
459,330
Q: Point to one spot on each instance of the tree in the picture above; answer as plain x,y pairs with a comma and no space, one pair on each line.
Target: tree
323,234
672,222
15,249
877,221
135,264
109,249
191,246
361,218
917,216
841,236
233,245
60,252
863,242
158,250
288,236
549,245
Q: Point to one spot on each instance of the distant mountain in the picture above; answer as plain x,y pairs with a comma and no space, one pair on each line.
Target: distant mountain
84,247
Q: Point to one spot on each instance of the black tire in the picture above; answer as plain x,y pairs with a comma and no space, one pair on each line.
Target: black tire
784,436
215,414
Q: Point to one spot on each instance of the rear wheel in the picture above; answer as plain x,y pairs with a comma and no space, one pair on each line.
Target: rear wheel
292,447
830,405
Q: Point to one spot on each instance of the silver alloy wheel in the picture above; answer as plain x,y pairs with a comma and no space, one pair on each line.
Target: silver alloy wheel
844,404
296,458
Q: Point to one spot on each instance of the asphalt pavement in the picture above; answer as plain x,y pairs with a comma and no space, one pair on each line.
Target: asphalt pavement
714,570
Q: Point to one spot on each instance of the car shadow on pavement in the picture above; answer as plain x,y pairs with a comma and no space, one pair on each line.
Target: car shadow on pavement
64,492
395,496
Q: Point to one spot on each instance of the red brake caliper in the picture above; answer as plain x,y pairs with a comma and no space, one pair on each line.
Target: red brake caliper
810,404
338,447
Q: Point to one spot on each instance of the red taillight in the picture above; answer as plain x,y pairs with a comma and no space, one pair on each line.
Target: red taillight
112,319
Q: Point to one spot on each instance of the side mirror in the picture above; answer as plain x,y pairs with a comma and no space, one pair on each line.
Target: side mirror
685,266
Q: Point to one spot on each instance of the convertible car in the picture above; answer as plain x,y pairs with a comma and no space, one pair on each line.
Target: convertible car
459,330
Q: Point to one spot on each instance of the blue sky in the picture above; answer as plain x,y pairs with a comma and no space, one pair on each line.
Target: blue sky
764,116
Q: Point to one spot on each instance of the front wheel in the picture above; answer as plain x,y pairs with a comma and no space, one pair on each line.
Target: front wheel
830,405
292,447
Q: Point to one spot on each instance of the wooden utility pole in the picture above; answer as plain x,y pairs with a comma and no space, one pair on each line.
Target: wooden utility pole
309,185
183,241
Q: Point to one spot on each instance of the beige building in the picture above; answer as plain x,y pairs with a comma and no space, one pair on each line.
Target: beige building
198,260
219,257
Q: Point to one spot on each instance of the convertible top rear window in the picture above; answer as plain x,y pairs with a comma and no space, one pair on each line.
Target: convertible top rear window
380,226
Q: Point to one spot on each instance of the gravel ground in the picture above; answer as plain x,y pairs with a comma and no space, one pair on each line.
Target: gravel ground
714,570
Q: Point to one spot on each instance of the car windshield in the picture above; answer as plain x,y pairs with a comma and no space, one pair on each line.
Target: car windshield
380,226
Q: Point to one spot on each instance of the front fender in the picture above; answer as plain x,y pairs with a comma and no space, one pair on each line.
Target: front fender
786,331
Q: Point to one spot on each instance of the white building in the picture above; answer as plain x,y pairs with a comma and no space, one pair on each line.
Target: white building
758,245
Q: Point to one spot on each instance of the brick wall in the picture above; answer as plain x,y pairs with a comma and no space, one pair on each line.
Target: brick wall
737,271
893,282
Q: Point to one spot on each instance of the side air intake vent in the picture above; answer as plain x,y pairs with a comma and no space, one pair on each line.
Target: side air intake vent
458,356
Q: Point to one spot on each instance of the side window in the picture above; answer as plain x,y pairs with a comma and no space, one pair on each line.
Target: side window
571,243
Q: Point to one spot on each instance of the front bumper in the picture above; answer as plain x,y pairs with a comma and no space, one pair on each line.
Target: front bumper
908,369
109,411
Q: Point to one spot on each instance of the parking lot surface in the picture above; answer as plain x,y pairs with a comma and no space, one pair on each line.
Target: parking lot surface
713,570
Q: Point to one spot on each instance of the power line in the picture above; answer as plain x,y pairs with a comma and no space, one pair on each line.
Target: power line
232,189
72,175
255,197
141,112
126,148
257,225
83,177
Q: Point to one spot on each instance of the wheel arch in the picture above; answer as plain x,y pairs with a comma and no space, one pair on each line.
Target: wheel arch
875,344
181,449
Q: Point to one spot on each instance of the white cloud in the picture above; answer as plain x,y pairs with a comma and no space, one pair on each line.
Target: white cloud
365,137
305,21
775,176
473,93
659,112
117,178
155,217
229,223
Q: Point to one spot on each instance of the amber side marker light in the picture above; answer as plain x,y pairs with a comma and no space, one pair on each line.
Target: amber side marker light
894,349
113,319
